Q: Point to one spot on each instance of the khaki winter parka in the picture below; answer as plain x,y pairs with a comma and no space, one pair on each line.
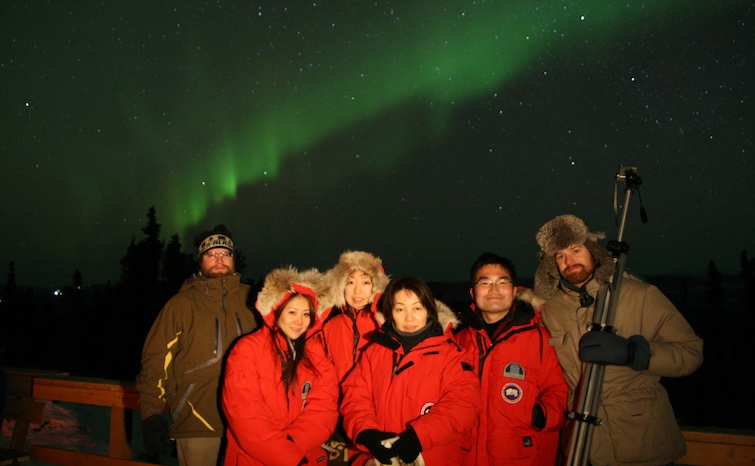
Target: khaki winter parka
638,424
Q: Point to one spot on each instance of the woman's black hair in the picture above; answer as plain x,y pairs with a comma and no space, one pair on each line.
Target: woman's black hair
416,286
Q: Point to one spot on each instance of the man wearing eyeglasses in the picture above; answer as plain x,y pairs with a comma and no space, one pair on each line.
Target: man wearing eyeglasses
183,354
523,390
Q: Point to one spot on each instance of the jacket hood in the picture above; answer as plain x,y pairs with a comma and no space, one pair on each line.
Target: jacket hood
349,262
529,297
560,233
281,283
197,279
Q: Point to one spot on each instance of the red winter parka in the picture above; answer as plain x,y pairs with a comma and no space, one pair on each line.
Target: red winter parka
346,330
269,425
346,335
516,369
431,389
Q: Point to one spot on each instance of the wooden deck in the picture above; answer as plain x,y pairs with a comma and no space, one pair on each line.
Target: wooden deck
705,446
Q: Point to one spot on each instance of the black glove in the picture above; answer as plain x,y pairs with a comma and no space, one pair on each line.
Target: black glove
155,435
407,447
371,439
609,348
538,416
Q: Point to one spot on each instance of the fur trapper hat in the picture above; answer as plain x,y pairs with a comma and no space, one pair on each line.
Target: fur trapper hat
281,283
349,262
560,233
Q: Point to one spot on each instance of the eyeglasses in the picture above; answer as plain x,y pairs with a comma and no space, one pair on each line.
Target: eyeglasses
216,254
489,282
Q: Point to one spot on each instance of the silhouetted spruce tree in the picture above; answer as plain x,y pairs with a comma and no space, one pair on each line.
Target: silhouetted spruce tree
139,295
744,347
153,247
715,295
176,268
140,267
747,275
9,315
10,286
239,261
104,306
18,317
77,319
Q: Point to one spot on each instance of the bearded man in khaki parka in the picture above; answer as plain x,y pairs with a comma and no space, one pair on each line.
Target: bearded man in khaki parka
652,340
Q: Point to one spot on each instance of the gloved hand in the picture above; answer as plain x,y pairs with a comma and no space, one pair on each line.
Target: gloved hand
372,438
609,348
155,435
538,416
407,446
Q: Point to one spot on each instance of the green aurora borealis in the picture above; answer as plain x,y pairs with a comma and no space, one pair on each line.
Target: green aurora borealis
195,107
308,80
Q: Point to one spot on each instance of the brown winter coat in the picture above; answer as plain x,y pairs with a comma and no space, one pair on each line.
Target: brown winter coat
183,353
639,426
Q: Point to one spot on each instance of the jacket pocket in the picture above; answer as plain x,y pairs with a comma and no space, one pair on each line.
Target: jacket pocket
557,338
642,429
506,449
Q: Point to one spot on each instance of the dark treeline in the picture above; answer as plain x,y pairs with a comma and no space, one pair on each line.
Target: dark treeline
96,330
99,330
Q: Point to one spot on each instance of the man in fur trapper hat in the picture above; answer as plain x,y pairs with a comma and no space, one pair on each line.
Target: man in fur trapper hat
651,340
558,234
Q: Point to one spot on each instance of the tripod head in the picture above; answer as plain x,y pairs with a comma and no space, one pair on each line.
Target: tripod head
632,181
629,175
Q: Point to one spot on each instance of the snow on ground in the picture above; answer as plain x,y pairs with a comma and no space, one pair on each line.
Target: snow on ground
77,427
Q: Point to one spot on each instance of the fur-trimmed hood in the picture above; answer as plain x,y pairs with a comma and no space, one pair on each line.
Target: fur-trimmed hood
560,233
529,297
347,263
281,283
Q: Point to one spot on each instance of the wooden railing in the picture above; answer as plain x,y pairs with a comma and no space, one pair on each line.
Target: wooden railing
118,395
705,446
719,447
22,410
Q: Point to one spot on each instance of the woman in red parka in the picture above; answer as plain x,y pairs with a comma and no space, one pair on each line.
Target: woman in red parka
412,394
280,390
355,282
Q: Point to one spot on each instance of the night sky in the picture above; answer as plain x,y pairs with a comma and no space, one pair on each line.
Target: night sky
425,131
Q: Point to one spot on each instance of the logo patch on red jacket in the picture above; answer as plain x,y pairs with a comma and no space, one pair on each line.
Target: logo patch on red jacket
426,408
305,389
514,370
511,393
304,392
